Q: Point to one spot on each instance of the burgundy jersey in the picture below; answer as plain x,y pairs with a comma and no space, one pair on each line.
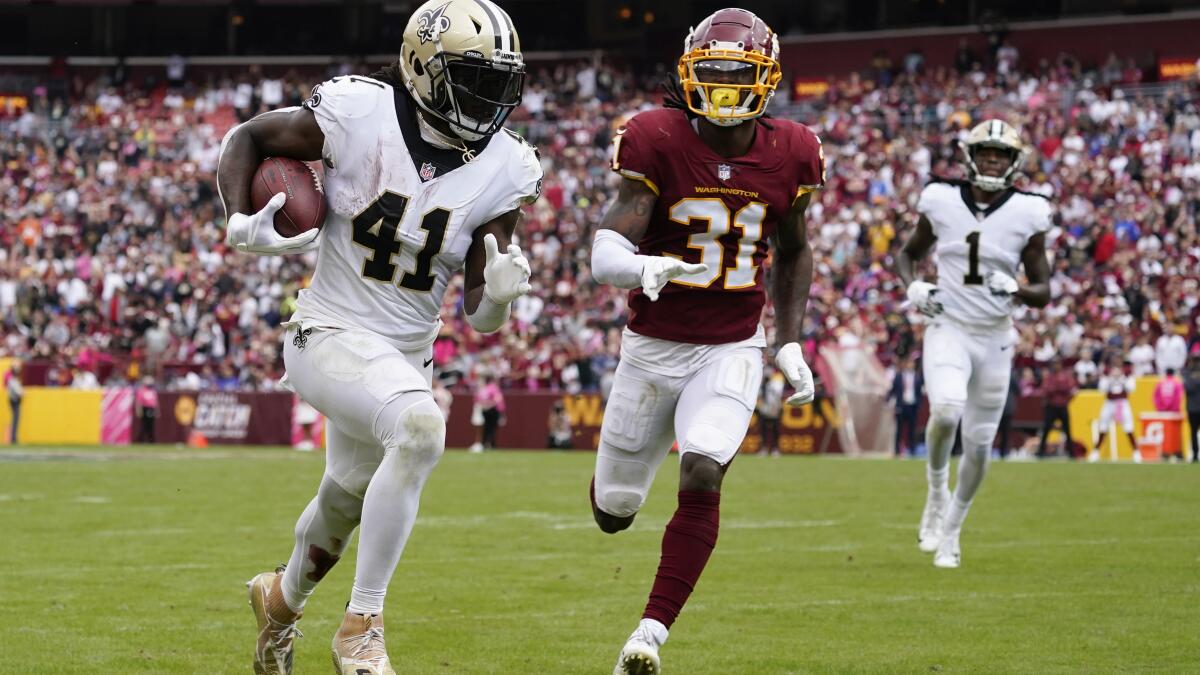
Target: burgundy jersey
712,210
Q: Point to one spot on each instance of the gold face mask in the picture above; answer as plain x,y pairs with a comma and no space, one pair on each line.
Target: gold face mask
727,84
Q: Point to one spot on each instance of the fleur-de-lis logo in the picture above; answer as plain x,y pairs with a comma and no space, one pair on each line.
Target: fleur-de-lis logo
432,22
301,339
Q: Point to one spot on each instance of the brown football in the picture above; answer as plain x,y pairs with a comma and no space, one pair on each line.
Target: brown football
305,205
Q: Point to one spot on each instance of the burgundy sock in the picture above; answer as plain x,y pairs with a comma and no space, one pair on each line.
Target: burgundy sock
686,546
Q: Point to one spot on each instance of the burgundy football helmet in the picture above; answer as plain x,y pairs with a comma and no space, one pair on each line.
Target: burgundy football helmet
730,67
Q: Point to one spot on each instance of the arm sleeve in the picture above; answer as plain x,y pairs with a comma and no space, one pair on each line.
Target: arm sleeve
340,105
489,316
615,260
633,157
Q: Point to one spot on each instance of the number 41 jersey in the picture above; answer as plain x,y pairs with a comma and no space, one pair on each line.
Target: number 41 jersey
713,210
402,213
972,241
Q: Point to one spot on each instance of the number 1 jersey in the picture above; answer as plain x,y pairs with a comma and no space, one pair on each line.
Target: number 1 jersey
402,213
714,210
973,240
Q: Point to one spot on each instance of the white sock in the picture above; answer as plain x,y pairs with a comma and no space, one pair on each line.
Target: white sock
955,515
939,435
938,480
322,534
971,470
414,441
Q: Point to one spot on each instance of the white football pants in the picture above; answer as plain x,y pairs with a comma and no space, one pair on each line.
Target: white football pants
707,410
385,435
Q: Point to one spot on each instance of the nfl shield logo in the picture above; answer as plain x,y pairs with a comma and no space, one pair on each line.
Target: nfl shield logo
723,171
427,171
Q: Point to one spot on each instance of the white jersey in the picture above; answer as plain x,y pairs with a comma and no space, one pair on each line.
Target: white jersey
397,231
973,241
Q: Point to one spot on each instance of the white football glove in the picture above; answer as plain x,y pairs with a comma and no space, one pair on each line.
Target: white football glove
790,360
505,275
923,296
1000,284
658,271
256,233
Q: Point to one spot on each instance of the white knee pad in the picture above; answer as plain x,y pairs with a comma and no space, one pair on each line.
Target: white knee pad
621,483
946,415
412,425
712,441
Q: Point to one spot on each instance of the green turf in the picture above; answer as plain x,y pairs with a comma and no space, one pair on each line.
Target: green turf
136,565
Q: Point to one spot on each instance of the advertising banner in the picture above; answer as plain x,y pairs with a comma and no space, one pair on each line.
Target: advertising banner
225,417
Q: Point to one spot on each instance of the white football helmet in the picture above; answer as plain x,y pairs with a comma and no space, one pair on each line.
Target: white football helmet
462,63
993,134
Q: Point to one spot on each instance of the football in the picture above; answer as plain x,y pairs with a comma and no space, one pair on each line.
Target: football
305,205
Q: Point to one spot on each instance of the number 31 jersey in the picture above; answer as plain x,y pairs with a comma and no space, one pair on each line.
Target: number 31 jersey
713,210
973,241
402,213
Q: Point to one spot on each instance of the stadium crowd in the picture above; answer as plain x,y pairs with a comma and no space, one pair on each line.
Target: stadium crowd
112,263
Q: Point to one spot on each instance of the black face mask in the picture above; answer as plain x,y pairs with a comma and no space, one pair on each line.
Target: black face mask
481,92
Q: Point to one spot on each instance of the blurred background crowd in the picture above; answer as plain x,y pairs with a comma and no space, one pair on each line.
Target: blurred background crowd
112,262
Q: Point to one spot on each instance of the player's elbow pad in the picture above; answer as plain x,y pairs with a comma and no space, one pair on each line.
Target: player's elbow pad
489,316
615,260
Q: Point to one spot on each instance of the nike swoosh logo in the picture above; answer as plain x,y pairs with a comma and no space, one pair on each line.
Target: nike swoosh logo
428,362
1004,349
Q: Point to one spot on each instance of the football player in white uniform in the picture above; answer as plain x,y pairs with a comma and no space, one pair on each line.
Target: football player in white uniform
421,181
983,229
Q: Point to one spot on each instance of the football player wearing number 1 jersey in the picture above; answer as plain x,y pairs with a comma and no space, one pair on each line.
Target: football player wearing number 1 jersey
708,187
983,228
421,181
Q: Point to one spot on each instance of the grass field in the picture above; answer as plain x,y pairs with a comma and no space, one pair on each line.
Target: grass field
136,564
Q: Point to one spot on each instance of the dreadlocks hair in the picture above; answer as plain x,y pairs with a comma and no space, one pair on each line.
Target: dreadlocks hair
390,75
675,98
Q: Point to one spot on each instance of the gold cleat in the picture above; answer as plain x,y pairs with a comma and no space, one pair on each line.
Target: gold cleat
273,651
358,647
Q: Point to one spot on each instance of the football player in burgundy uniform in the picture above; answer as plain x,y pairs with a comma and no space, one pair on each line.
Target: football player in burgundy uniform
707,184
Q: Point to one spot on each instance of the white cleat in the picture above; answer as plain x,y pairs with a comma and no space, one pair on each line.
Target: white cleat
928,532
639,656
1094,456
948,555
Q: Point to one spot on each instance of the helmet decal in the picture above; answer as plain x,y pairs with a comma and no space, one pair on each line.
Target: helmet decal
432,22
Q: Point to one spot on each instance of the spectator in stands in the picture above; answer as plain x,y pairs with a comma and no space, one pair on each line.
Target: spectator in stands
1057,390
908,389
964,57
1010,409
769,408
559,427
16,393
1168,398
145,409
489,399
116,233
1191,387
1142,357
1170,352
